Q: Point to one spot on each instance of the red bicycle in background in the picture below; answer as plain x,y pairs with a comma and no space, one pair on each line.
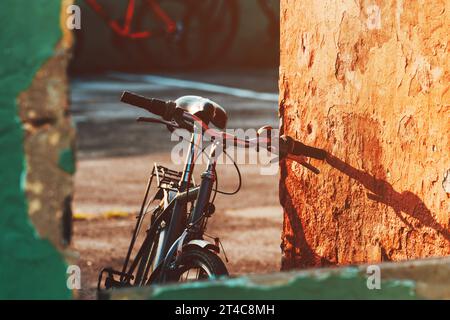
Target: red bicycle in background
171,33
125,29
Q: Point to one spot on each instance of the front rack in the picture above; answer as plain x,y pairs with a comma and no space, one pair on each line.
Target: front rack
166,178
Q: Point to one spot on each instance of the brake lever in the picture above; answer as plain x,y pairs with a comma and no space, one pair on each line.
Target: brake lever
169,124
178,116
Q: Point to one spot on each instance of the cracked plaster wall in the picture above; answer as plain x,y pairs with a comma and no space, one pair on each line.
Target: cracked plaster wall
367,81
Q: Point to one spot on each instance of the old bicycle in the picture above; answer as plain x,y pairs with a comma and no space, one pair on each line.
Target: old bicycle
175,248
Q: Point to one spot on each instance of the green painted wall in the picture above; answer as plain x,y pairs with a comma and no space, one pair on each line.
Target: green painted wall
415,279
349,284
346,283
30,267
67,161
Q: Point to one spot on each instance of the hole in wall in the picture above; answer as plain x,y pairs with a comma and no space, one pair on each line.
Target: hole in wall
115,154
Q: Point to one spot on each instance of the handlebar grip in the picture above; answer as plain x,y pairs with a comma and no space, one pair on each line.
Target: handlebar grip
296,148
300,149
155,106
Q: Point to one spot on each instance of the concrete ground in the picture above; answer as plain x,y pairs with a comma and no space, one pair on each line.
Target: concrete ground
116,154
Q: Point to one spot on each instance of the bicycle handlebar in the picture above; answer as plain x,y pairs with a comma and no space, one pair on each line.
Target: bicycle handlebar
167,110
158,107
299,149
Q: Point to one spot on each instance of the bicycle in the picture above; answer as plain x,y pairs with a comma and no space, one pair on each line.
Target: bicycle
171,33
174,248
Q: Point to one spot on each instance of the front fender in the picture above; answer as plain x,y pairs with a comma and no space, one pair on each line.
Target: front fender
202,244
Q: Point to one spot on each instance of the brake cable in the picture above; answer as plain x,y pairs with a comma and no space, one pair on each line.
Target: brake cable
239,177
215,189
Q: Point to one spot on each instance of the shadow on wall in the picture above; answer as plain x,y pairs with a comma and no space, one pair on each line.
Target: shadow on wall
299,254
341,225
383,192
188,34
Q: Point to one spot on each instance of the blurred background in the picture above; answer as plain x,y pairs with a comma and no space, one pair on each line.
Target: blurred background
142,36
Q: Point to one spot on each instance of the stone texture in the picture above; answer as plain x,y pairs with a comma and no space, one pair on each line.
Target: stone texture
44,111
367,81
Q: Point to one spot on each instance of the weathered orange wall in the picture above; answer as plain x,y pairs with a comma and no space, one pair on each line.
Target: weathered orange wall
367,81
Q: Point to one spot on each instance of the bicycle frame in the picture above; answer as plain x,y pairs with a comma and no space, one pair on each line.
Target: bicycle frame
178,232
177,220
193,234
189,196
125,30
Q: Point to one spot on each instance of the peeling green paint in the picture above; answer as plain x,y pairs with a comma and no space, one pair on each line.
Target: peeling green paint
348,283
67,161
324,287
30,267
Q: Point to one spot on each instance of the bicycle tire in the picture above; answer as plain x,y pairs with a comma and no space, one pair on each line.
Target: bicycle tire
199,258
196,45
223,23
151,243
232,9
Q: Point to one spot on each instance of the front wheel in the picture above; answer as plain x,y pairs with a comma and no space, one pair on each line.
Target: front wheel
198,264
